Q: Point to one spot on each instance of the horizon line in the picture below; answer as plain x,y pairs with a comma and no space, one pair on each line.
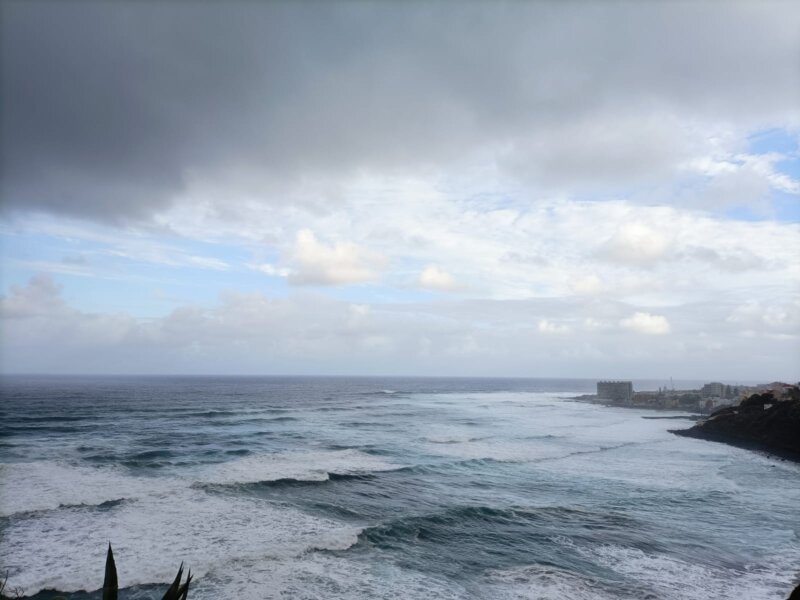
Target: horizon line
396,376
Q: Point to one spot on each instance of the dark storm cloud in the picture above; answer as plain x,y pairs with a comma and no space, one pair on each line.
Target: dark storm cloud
107,105
108,108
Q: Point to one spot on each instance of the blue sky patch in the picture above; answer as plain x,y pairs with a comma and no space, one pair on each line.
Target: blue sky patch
774,140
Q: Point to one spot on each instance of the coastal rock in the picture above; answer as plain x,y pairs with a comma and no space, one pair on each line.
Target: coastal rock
795,594
761,422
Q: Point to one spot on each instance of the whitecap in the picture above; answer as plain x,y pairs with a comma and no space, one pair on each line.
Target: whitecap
47,485
549,583
303,466
64,549
674,579
323,576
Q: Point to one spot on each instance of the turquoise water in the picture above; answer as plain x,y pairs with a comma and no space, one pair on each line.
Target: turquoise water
380,488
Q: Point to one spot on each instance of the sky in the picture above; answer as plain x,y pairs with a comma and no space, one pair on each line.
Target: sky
532,189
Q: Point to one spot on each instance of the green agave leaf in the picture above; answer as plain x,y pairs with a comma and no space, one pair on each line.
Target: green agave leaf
110,585
184,591
176,591
173,593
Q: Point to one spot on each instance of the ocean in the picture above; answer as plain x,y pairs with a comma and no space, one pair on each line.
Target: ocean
365,488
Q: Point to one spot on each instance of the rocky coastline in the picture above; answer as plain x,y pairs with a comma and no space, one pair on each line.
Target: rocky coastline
767,422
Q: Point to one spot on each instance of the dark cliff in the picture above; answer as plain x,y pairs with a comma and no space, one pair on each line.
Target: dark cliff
761,422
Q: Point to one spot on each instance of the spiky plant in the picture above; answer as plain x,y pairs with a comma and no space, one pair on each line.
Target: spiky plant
110,585
176,591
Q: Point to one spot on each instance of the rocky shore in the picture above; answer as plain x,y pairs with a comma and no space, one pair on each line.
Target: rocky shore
766,422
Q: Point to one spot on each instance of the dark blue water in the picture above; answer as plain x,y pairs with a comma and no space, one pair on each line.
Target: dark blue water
380,488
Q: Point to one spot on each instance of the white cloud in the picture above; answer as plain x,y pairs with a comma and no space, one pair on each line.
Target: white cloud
151,250
315,263
207,262
434,278
588,285
633,101
756,172
734,260
42,296
764,165
474,172
273,270
642,322
309,333
636,244
765,316
548,327
650,255
591,324
65,267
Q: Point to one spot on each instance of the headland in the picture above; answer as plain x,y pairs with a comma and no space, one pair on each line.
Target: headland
763,417
768,421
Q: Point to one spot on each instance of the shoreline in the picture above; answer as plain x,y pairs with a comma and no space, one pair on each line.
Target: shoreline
759,447
767,423
593,399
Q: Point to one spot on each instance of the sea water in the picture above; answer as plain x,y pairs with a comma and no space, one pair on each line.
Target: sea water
365,488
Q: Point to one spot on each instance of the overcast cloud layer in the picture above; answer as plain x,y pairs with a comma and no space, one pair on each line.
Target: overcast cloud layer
542,189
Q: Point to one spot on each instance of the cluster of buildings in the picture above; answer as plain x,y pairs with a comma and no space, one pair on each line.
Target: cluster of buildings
706,399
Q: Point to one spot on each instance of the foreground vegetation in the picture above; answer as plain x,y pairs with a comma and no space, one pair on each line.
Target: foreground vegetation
177,591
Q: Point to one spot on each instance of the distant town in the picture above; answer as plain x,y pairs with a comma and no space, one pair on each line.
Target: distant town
707,399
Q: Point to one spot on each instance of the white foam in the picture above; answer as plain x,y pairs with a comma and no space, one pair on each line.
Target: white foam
151,535
47,485
249,548
632,463
501,451
674,579
323,577
546,583
162,521
542,449
306,466
451,438
535,427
